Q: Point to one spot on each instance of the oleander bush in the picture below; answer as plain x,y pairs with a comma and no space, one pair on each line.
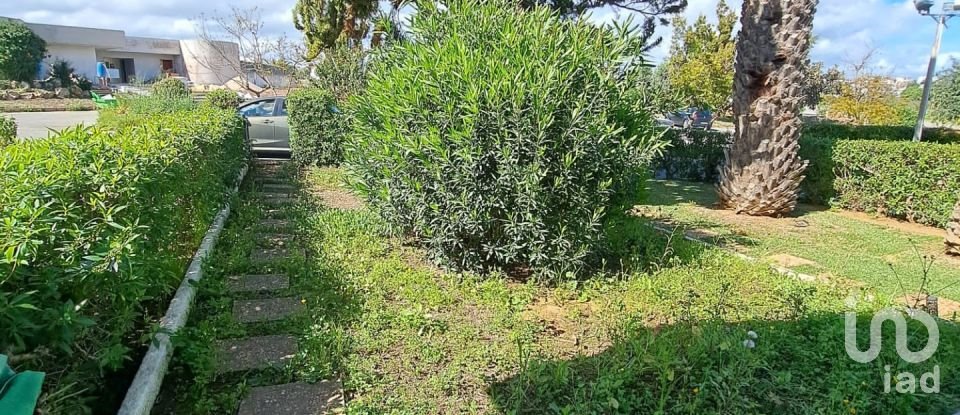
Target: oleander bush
317,127
8,131
98,225
170,88
223,99
499,138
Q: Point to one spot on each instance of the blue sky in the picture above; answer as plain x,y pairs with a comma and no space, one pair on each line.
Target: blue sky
846,29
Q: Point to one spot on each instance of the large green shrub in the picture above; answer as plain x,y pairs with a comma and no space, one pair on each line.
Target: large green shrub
223,99
98,225
499,137
8,130
317,127
918,182
21,51
341,70
170,88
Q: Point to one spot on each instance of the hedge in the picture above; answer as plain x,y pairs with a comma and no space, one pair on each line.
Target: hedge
891,176
98,225
692,155
317,127
879,132
918,182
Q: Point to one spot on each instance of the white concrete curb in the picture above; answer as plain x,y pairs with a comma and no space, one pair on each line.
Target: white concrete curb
146,385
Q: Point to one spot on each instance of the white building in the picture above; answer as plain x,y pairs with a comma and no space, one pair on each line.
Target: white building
144,59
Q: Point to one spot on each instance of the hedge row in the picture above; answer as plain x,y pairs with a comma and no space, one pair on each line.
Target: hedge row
879,132
317,127
98,225
891,176
919,182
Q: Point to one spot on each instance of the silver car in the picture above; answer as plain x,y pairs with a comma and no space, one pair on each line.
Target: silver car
267,124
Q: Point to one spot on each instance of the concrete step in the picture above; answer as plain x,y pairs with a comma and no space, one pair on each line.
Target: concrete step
255,353
274,240
278,188
276,199
273,254
321,398
275,224
258,283
270,309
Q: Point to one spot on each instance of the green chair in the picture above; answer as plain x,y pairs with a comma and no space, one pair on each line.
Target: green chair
103,103
18,391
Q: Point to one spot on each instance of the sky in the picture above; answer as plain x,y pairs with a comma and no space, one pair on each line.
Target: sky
846,29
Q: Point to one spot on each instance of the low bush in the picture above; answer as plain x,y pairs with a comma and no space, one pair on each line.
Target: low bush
98,226
8,131
500,138
317,127
169,88
223,99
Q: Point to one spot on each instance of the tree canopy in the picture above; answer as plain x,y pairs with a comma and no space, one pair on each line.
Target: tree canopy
21,51
326,22
653,11
700,66
945,96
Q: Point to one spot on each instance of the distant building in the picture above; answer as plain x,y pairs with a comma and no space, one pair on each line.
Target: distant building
130,58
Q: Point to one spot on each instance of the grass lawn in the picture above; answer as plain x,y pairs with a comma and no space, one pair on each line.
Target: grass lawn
667,335
41,105
880,253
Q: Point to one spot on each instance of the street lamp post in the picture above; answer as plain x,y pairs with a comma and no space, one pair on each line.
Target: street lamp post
950,9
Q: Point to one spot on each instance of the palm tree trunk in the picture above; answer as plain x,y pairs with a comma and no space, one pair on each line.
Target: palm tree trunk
763,171
953,232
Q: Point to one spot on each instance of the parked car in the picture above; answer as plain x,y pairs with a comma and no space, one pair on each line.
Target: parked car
267,126
689,118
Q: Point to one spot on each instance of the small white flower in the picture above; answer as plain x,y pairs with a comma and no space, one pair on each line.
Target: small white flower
752,334
749,344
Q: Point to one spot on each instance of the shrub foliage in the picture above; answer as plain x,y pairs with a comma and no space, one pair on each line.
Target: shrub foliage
918,182
499,137
169,88
317,127
8,131
21,51
223,99
98,226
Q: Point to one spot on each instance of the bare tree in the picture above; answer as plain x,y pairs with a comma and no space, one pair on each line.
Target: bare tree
242,56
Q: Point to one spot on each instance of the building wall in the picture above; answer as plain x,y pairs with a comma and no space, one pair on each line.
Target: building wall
146,65
82,58
210,63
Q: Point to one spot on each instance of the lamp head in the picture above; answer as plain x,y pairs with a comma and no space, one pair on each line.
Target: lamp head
923,6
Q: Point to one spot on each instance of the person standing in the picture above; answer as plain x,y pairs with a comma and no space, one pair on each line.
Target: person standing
103,75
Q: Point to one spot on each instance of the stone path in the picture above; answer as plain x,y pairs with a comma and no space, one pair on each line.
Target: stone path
266,298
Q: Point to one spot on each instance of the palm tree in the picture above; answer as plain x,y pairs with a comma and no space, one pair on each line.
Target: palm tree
953,232
763,171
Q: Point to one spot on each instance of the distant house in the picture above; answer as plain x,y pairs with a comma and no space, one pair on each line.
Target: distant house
130,58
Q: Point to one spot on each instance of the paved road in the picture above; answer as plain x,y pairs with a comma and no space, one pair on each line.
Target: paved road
38,124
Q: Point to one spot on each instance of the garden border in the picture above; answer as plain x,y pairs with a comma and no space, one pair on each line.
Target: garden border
145,387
